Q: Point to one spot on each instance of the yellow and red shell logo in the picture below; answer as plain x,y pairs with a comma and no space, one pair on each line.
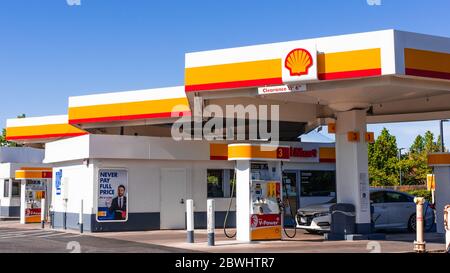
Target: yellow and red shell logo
298,61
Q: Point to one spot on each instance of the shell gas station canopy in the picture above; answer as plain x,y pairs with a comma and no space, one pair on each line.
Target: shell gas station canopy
395,76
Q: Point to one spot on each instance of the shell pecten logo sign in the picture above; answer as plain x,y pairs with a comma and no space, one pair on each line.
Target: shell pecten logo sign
298,61
299,64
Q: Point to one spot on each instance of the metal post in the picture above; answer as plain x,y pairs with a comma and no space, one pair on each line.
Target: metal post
80,219
399,159
447,228
211,208
190,220
65,214
442,135
43,213
52,218
419,244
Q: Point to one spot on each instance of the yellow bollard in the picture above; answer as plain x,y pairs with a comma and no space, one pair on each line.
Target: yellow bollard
419,244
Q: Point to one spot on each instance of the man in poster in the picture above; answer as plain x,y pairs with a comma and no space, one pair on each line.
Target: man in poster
119,204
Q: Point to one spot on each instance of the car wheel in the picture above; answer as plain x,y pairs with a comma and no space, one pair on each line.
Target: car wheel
412,223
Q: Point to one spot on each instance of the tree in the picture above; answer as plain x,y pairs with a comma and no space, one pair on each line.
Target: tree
429,144
6,143
415,167
383,169
384,164
418,145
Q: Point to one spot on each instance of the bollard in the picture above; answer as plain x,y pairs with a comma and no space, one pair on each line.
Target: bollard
80,219
65,220
419,244
65,214
211,221
52,219
43,213
447,228
190,220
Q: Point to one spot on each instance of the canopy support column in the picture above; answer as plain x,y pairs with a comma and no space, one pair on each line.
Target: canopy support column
352,178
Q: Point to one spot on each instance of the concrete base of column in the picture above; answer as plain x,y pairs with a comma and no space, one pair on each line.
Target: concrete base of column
190,236
211,239
363,228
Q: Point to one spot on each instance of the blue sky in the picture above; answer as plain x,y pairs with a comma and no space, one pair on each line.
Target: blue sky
50,50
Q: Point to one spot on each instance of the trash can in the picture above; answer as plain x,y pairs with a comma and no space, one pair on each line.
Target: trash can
342,221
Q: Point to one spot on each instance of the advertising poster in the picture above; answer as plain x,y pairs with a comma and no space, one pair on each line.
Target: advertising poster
112,195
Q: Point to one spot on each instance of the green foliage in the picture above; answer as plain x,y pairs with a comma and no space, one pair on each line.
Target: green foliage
421,193
385,165
4,142
383,160
212,179
415,164
418,145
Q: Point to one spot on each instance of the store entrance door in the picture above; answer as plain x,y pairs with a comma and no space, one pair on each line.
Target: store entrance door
173,198
290,193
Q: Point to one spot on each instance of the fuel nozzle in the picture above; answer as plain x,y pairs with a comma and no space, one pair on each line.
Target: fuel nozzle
280,204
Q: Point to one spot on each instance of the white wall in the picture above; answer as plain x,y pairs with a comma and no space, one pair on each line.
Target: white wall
21,155
124,147
5,171
2,186
144,181
75,148
80,178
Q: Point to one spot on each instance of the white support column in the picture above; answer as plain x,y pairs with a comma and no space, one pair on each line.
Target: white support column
442,194
10,185
243,200
23,203
352,179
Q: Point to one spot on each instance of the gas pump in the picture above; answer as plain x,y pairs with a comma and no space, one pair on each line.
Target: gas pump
266,201
33,188
259,192
34,193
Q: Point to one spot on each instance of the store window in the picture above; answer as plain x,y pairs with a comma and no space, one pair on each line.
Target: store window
318,183
6,188
220,183
15,191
